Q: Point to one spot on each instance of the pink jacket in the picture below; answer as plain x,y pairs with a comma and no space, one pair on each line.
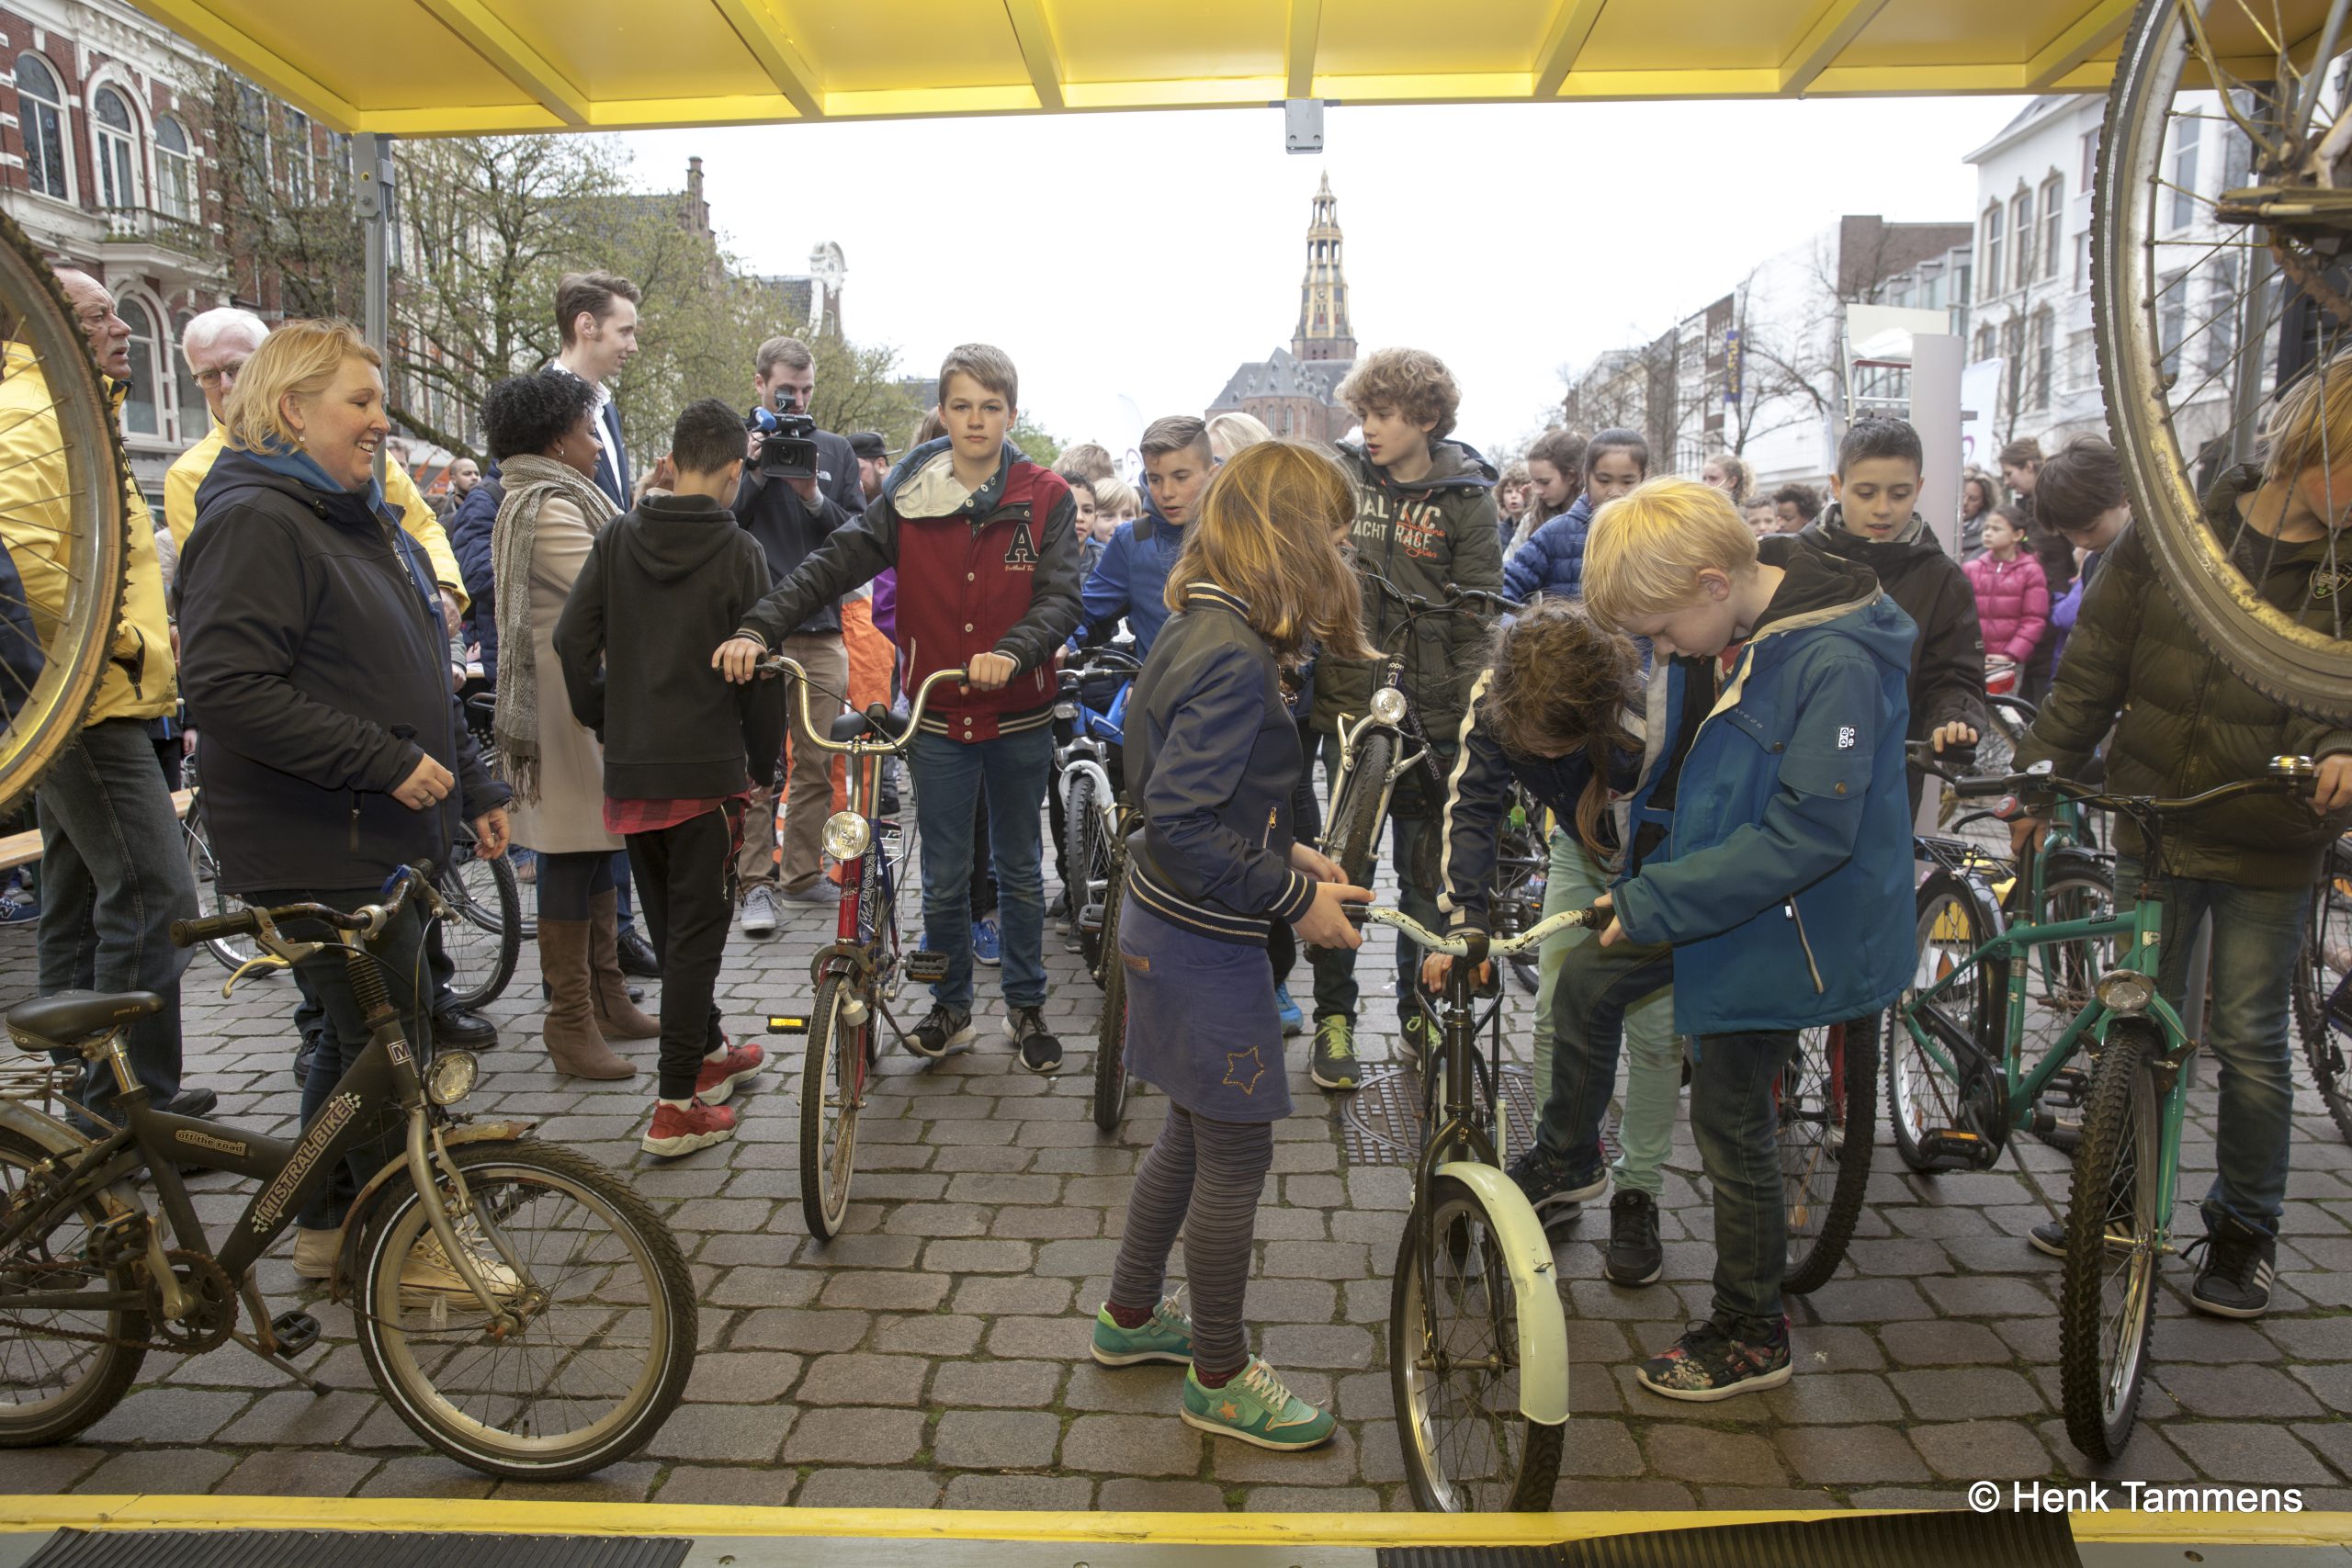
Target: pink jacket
2012,604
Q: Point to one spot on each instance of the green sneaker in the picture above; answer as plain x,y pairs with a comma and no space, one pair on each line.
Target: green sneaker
1257,1408
1414,1036
1167,1337
1333,1064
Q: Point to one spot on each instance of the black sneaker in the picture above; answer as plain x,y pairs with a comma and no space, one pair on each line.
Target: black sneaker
942,1030
2240,1262
1709,1364
2048,1238
1554,1190
1040,1052
305,1056
1634,1256
1415,1037
637,954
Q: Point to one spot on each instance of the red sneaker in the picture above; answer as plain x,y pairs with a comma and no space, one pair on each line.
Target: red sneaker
718,1078
676,1132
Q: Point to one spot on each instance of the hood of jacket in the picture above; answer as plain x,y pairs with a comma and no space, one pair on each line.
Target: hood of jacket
1454,466
673,535
1889,558
924,484
1818,589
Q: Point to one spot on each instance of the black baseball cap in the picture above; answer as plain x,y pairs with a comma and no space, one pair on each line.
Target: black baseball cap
868,443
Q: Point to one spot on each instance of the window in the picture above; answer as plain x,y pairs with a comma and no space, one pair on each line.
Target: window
40,113
1984,345
2181,210
1960,274
117,143
2082,261
193,410
252,145
2021,235
301,180
1898,292
1931,288
142,412
2172,320
2038,349
2090,160
1994,272
2053,223
2237,153
2082,361
175,171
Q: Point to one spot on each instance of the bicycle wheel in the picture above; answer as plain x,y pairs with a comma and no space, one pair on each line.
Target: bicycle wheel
2115,1227
605,1306
1353,834
895,836
483,936
2061,977
1997,748
65,534
830,1097
2321,971
1110,1029
1828,1098
1921,1095
231,952
1084,837
1453,1365
2198,299
52,1388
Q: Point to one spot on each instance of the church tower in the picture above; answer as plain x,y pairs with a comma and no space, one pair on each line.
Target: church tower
1323,331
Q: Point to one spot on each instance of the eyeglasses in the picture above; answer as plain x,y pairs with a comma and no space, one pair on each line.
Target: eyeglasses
220,374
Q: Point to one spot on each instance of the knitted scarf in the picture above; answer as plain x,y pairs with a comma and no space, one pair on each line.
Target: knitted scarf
529,482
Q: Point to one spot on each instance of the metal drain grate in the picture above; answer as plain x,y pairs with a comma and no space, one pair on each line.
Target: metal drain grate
1381,1121
305,1549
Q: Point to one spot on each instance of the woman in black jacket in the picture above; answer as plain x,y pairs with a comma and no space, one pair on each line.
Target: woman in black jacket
316,671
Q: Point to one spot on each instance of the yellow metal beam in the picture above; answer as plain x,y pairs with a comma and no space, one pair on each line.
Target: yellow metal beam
200,24
1298,57
1036,40
2089,33
1824,42
514,57
1555,55
756,23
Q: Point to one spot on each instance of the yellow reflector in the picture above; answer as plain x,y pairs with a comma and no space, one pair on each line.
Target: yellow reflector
787,1025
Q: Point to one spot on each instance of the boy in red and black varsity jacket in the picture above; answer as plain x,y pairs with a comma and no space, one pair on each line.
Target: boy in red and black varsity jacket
987,553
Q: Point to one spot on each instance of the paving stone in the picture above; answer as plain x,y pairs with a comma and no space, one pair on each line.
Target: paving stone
158,1470
1966,1395
1318,1345
1845,1398
171,1415
297,1473
1596,1448
300,1417
887,1291
981,1258
425,1475
1060,1336
40,1472
868,1489
811,1331
1148,1388
991,1295
855,1435
729,1485
741,1377
1981,1450
1333,1464
725,1434
1133,1445
1011,1385
2259,1392
996,1440
935,1334
864,1379
1056,1494
1847,1455
1940,1342
1129,1496
1695,1454
1311,1500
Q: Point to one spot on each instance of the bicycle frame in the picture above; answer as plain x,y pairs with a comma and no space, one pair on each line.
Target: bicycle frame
1087,755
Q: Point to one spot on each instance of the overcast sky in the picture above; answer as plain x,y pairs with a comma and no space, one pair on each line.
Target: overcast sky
1129,262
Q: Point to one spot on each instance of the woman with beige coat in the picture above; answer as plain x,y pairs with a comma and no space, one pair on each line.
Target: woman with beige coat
542,429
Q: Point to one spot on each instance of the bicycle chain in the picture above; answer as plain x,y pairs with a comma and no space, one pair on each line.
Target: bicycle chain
212,1338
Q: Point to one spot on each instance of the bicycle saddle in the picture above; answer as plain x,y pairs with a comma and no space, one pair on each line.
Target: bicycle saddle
876,720
71,1019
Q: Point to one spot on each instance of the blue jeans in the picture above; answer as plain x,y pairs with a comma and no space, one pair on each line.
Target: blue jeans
947,777
2256,934
1733,1123
114,875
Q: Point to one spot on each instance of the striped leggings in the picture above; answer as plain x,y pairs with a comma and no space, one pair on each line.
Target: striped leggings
1202,1177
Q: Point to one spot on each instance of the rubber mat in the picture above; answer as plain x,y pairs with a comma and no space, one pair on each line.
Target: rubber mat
311,1548
1882,1540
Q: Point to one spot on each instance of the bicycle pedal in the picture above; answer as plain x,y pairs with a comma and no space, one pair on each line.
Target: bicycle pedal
2066,1089
1090,918
926,968
1951,1149
294,1331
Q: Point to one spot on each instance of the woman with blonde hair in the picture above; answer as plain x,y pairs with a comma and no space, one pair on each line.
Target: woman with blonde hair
1730,475
1229,433
1212,756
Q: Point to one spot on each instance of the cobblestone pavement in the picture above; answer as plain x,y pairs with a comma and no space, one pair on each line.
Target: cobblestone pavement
934,1354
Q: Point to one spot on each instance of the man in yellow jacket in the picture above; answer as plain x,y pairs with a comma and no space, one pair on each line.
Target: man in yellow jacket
113,871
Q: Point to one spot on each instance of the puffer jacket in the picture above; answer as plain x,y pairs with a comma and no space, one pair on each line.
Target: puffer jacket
2188,723
1426,537
470,525
2012,604
1551,561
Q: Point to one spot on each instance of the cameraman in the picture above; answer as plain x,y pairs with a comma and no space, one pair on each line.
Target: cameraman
790,518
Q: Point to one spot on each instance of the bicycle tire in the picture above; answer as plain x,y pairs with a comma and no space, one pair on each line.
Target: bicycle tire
1850,1108
397,1227
2121,1130
1354,826
230,953
1953,923
483,976
112,1369
2315,981
1438,1484
1111,1027
2307,668
95,542
2061,978
1080,835
825,1177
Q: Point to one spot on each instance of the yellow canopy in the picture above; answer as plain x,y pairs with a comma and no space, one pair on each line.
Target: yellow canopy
457,67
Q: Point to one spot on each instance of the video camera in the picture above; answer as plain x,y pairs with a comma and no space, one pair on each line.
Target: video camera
787,439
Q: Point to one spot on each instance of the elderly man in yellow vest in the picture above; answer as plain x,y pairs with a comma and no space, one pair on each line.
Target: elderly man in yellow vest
114,871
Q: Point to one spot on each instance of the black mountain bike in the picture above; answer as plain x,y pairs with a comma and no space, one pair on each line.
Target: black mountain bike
519,1306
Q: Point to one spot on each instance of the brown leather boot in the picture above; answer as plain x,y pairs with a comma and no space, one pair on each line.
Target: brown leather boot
574,1044
617,1016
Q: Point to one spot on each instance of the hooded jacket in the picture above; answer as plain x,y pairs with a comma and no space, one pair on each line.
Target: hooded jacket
2182,721
1130,578
318,677
1784,878
1948,667
662,586
1427,538
1551,561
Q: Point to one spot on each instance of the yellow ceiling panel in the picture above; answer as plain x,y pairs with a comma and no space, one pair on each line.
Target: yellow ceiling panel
1705,34
1406,37
1206,42
620,50
904,45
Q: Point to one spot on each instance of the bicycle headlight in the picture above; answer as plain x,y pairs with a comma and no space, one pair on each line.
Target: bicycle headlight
2125,992
1388,705
846,835
451,1077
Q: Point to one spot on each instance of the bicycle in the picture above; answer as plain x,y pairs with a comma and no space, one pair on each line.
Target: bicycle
232,952
1085,749
2323,987
482,933
1477,1341
2118,1215
520,1307
1522,865
862,973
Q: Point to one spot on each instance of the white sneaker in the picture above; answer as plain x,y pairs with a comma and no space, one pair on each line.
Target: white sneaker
758,911
427,1272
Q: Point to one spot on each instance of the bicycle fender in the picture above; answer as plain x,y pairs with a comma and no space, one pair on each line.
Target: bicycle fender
1527,1253
509,1129
44,1130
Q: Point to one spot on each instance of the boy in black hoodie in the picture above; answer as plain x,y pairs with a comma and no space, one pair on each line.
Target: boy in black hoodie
677,575
1871,522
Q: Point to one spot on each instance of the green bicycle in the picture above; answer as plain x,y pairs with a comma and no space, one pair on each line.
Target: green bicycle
2118,1213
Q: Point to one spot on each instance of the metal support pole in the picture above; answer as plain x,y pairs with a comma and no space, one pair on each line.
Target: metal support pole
1936,362
371,155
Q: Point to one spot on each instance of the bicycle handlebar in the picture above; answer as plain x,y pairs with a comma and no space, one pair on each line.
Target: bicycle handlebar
785,664
2297,774
367,920
1458,600
1497,947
